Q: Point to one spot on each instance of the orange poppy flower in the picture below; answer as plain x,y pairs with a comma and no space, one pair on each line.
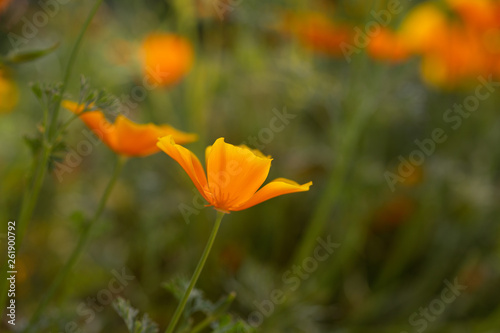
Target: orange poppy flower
166,58
234,174
125,137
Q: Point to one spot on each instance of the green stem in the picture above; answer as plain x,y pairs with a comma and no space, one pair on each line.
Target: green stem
78,249
36,177
358,113
31,197
69,67
333,188
38,172
196,274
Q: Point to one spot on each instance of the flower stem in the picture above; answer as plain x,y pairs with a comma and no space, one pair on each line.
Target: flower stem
69,68
196,274
358,116
35,180
38,171
85,236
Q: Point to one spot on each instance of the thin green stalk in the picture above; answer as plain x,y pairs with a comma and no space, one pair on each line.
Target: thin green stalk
78,249
196,274
333,187
193,94
31,197
38,172
36,177
358,113
69,67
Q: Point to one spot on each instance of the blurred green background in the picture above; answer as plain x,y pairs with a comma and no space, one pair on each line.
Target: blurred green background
400,243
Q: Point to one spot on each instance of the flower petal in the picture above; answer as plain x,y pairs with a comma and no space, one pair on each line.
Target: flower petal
256,151
95,120
188,161
275,188
179,136
234,173
140,139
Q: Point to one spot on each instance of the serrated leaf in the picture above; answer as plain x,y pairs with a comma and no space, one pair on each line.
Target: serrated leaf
129,314
25,56
95,99
126,311
146,325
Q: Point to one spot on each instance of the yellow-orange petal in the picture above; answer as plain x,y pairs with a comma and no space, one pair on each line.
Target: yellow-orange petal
256,151
180,137
234,174
134,139
275,188
187,160
95,120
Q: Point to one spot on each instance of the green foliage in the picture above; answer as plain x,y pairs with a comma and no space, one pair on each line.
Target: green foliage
216,315
96,99
129,315
227,324
48,94
17,56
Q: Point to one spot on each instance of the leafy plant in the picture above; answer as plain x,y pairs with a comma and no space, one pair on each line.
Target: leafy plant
130,316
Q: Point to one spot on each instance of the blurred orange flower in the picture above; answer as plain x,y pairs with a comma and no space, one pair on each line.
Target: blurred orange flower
125,137
459,56
234,174
317,32
166,58
423,28
482,14
387,45
454,51
9,93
